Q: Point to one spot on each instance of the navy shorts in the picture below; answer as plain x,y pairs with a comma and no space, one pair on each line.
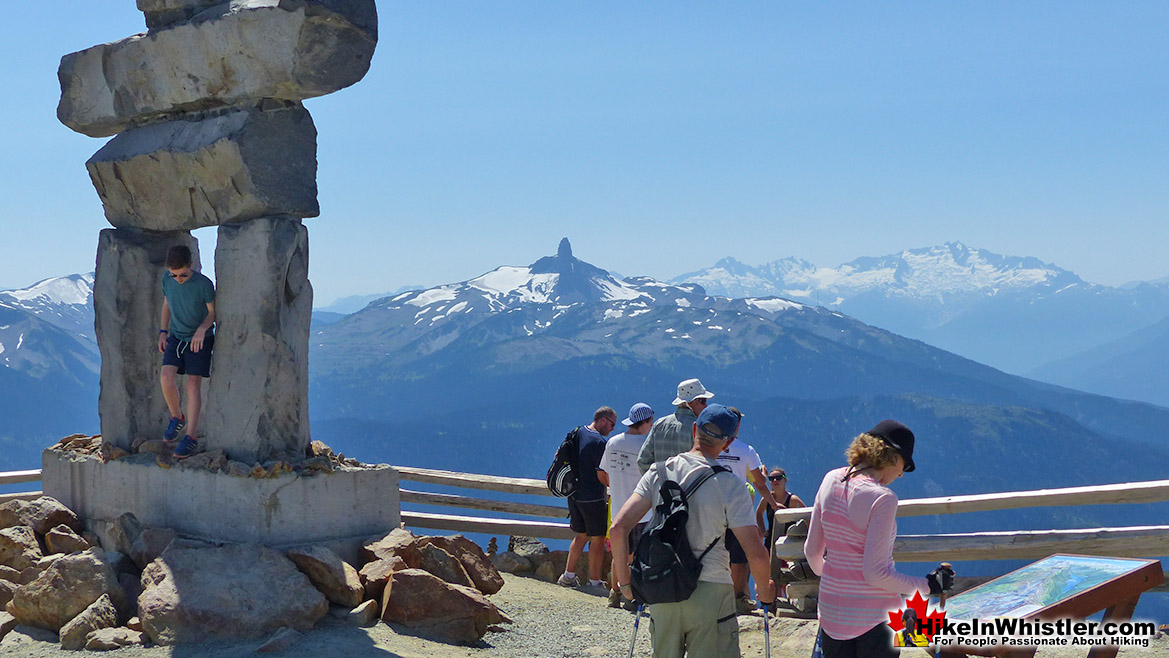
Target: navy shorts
179,353
590,517
735,548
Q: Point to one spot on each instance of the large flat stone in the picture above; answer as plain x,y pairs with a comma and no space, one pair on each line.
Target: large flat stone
127,302
257,399
338,510
229,167
233,53
161,14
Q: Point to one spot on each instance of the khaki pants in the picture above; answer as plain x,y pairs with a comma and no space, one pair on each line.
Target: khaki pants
703,626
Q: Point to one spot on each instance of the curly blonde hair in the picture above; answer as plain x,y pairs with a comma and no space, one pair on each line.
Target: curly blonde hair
871,450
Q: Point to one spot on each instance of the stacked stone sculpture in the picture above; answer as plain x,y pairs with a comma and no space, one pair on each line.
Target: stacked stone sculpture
210,131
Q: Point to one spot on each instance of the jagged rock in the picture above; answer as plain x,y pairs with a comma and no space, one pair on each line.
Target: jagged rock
156,447
61,592
134,624
444,565
62,539
399,542
127,299
45,561
290,50
47,513
108,639
19,548
100,614
424,603
548,566
161,14
238,469
484,576
192,172
30,574
7,623
364,615
42,515
280,641
111,452
511,563
492,546
184,594
9,574
7,587
123,531
212,460
336,579
546,572
257,402
526,546
374,575
150,543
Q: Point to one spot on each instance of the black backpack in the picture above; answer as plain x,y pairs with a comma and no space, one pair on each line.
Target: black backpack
664,568
562,473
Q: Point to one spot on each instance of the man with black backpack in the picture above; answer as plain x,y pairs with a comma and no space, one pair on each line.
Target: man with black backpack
689,591
588,511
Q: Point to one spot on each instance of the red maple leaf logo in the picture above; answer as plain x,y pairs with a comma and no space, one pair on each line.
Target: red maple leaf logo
928,622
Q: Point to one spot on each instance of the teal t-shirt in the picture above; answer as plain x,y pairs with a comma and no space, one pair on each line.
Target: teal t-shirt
188,303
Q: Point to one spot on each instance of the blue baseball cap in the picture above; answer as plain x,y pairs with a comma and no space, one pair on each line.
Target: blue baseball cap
637,413
718,421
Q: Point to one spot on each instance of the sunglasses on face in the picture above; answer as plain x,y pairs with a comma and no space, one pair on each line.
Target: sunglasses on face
777,478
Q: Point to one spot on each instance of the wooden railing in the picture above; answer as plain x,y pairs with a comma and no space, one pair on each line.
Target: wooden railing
1132,541
457,523
20,477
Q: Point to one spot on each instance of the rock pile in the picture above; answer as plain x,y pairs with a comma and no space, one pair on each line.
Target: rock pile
210,131
151,585
318,457
528,556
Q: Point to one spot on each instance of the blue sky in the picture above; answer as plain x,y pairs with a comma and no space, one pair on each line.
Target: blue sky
660,137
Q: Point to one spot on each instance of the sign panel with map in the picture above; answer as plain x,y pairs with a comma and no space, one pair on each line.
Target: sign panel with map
1039,585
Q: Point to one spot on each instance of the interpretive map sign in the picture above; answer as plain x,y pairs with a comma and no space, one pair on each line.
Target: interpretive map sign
1038,585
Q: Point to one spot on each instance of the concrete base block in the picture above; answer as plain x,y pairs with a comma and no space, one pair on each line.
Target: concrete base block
339,509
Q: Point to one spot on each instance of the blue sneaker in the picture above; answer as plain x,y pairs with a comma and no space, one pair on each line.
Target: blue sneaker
173,428
187,447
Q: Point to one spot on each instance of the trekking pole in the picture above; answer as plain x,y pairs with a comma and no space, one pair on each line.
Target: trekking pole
766,633
636,623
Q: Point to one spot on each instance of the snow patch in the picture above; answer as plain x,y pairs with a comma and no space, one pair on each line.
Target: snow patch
613,313
428,297
683,302
773,305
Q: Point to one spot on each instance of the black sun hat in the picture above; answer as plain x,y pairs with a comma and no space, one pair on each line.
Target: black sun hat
899,437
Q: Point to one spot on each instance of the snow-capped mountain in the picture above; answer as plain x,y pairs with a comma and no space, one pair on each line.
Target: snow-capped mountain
1014,313
932,273
65,302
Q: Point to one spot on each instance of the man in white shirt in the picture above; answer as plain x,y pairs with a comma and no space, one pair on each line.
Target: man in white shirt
620,464
744,462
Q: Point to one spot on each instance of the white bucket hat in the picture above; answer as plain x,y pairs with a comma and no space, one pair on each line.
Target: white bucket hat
691,389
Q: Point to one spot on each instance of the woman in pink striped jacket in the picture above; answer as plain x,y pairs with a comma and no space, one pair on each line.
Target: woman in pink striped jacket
850,544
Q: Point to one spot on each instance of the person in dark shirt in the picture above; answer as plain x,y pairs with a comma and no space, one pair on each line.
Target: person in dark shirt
588,512
186,337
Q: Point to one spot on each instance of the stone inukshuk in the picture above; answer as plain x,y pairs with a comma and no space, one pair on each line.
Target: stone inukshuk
210,131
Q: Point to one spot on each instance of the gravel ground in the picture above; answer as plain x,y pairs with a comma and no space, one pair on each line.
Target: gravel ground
550,622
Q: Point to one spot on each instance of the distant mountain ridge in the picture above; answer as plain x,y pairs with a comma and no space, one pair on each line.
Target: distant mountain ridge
1014,313
49,366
